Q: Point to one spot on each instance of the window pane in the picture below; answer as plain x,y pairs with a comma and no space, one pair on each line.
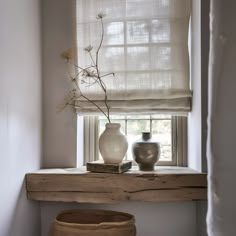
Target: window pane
136,127
133,126
161,132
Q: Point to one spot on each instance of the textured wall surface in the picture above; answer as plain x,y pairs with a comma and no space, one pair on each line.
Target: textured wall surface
20,113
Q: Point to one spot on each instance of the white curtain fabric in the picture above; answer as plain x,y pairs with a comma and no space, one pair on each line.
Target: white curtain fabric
221,217
146,46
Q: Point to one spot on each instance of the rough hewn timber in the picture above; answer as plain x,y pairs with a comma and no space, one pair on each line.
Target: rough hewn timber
78,185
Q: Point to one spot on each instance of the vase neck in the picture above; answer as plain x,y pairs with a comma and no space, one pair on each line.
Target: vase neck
146,136
113,125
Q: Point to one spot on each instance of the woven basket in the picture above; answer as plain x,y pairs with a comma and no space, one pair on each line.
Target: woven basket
93,223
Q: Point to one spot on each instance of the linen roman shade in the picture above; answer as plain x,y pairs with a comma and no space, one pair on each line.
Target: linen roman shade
146,46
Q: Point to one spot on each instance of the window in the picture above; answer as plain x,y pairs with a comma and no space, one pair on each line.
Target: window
146,45
169,130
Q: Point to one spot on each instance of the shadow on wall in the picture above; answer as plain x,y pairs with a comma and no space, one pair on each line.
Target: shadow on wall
26,217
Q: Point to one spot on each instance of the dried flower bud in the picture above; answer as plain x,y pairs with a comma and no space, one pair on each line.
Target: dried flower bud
68,54
85,73
88,48
68,100
73,79
100,15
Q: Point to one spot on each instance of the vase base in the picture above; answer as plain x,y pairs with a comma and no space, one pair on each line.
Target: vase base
146,167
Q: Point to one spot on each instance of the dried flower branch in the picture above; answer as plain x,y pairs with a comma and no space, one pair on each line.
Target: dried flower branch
68,54
100,15
89,75
88,48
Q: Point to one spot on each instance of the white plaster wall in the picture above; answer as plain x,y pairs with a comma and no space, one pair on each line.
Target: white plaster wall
197,120
59,128
20,113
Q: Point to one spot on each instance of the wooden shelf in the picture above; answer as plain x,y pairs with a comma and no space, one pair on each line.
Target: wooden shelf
78,185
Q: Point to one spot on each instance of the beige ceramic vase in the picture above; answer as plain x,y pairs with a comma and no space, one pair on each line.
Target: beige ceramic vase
113,144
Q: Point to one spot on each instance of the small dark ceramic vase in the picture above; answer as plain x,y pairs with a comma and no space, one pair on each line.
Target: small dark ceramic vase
146,152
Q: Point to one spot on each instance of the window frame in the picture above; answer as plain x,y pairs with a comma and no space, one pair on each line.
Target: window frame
179,141
179,135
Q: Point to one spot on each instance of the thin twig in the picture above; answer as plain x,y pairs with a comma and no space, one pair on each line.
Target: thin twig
91,101
98,73
112,73
92,58
88,73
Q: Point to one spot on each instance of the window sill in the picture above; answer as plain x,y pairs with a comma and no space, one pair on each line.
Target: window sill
78,185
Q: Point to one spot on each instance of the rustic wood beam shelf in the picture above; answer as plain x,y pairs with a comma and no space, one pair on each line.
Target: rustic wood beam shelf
78,185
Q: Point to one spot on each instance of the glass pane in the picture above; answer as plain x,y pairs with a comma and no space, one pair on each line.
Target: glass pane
134,132
165,153
135,125
101,126
161,132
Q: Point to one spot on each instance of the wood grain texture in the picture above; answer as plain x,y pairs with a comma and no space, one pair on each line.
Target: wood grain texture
101,167
78,185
